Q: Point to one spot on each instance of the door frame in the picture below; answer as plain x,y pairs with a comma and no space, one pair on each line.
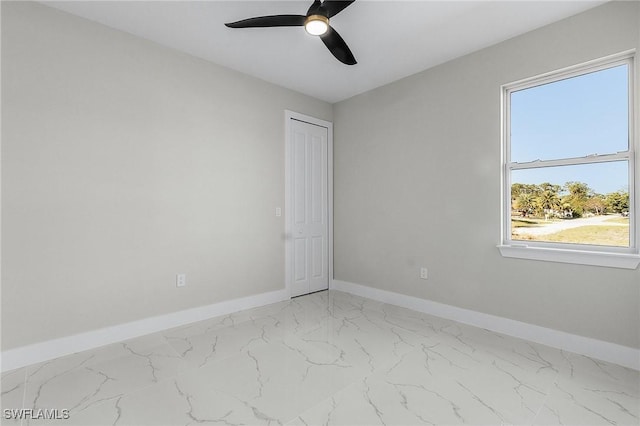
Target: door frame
288,214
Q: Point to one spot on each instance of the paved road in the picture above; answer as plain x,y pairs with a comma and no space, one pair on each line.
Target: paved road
553,227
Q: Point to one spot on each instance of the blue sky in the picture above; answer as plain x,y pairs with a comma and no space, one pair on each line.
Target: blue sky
573,118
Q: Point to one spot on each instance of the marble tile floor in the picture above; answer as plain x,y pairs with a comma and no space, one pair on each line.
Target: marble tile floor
328,358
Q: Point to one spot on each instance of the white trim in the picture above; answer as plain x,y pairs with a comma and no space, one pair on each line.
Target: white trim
606,351
573,161
288,267
573,70
50,349
580,257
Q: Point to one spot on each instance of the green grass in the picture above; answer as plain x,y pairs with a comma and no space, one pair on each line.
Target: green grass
623,220
523,223
601,235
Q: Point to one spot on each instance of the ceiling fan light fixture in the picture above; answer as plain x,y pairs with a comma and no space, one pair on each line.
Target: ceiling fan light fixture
316,24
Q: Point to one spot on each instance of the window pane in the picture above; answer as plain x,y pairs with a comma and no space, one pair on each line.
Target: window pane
574,117
580,204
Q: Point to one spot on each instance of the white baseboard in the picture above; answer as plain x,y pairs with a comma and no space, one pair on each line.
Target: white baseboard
605,351
44,351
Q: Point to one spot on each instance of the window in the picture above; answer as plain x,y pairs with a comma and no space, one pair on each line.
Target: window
568,175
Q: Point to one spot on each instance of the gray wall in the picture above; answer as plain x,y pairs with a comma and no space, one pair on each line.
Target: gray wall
124,163
417,183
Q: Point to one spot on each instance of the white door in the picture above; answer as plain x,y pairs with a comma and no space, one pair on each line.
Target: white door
309,207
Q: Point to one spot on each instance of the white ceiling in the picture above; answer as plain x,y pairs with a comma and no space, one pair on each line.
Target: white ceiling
390,39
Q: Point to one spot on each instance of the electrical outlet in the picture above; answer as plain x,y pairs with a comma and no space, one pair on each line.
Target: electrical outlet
181,280
424,273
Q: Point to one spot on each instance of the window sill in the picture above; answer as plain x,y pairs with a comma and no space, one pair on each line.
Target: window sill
580,257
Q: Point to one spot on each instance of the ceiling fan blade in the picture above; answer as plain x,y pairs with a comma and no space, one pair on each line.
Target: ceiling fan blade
269,21
334,7
338,47
314,7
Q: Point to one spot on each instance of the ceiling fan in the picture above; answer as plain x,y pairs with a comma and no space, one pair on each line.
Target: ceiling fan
315,22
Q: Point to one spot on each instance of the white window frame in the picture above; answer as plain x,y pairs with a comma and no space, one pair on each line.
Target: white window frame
584,254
